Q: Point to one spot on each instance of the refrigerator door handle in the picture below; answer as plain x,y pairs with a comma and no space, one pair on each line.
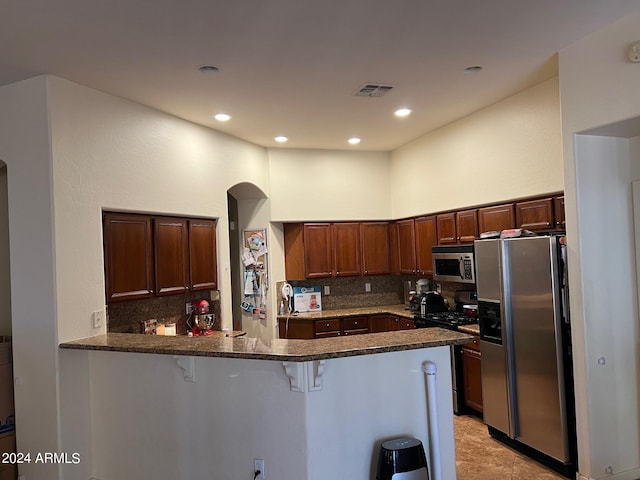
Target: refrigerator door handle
512,400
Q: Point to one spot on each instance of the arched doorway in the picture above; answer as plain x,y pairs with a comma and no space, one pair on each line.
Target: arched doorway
247,209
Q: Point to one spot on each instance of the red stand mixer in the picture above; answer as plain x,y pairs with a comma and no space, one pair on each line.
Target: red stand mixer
200,321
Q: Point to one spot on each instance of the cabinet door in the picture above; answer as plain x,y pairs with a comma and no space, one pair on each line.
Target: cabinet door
472,380
128,256
318,250
294,251
558,207
447,229
406,246
346,249
379,323
426,238
496,219
467,225
535,215
171,255
375,247
202,255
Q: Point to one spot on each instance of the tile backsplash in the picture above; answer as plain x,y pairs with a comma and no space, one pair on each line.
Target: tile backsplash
349,292
126,316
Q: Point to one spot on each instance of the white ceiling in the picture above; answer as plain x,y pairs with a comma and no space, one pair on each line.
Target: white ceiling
289,67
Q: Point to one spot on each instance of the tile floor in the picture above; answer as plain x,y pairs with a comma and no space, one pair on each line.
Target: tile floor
480,457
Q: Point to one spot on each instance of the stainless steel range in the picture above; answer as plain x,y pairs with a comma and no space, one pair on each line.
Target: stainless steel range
450,320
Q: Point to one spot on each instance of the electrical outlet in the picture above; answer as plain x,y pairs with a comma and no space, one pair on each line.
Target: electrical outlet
188,308
327,290
98,319
258,465
367,287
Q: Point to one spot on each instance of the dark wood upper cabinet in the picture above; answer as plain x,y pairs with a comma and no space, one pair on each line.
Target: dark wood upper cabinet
318,250
128,251
467,225
558,207
171,255
293,251
406,246
496,219
375,248
535,215
147,256
447,228
426,238
346,249
203,258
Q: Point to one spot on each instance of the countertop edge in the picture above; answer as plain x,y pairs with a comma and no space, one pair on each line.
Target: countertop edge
282,350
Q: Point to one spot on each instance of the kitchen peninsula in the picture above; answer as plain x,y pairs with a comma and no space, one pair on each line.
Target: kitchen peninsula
312,409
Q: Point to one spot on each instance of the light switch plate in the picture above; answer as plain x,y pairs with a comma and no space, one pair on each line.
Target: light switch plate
367,287
327,290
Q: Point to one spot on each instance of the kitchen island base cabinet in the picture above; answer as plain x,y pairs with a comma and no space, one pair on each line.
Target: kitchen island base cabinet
317,424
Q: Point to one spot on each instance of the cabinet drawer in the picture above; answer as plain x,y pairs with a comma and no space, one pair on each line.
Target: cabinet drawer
474,345
327,325
406,323
357,331
334,333
355,323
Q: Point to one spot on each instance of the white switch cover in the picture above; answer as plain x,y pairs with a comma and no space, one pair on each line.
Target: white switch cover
98,319
367,287
327,290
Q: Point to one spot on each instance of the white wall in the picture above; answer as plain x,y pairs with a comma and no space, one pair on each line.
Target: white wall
318,185
166,429
110,153
598,87
25,148
5,277
509,150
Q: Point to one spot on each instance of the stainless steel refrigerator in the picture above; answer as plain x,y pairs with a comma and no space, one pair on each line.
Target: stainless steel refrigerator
527,384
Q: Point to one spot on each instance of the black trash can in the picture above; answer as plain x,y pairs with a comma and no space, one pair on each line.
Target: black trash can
402,459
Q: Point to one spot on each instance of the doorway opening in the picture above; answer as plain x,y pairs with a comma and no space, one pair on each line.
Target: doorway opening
247,209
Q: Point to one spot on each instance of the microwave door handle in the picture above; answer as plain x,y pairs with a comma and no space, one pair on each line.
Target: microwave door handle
461,267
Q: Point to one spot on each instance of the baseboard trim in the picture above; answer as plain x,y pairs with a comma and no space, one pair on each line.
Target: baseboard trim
628,475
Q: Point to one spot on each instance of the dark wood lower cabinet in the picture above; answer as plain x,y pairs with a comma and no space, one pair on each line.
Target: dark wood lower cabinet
471,375
301,328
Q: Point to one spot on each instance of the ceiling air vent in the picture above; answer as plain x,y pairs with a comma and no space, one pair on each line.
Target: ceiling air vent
373,90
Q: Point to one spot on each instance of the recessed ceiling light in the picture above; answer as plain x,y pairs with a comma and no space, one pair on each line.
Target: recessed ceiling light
354,140
474,69
222,117
209,69
402,112
281,139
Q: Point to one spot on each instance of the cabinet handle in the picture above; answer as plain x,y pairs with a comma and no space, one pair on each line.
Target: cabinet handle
548,224
327,325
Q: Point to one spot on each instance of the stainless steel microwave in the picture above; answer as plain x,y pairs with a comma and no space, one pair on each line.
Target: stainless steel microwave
454,263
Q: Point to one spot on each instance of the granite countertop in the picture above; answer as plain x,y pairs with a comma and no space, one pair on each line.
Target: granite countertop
274,349
397,309
471,329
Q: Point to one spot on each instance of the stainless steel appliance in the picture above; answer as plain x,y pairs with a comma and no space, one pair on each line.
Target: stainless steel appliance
525,343
453,263
444,318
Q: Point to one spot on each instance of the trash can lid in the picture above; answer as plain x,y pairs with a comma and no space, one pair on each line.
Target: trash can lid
401,443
